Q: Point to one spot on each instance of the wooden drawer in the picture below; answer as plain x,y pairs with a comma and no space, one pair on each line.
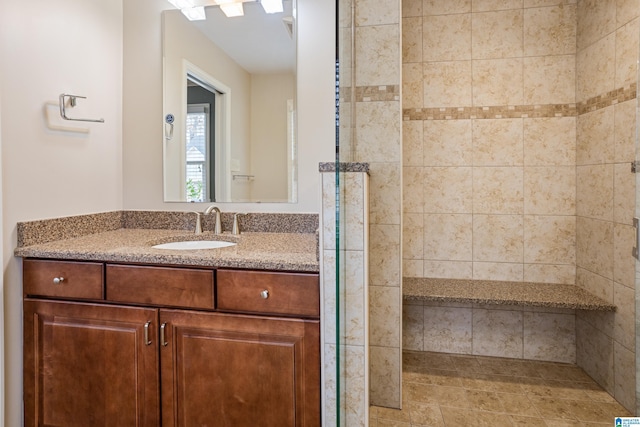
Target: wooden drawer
286,293
173,287
63,279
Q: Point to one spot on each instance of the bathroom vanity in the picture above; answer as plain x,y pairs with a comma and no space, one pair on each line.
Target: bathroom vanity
182,339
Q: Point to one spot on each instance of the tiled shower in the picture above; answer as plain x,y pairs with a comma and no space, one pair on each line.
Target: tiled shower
505,156
519,123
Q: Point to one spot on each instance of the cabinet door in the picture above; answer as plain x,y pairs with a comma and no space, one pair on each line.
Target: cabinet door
235,370
90,365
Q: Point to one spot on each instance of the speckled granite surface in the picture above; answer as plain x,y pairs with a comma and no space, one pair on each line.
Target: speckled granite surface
502,293
344,167
268,241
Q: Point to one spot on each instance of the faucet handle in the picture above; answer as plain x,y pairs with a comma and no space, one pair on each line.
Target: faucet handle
236,225
198,229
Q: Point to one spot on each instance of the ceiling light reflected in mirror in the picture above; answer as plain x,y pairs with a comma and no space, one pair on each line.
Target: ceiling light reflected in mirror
194,9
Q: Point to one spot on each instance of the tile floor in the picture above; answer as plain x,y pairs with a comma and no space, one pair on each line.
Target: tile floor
456,390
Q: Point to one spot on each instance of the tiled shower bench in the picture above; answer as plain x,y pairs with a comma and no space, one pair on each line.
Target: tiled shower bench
535,321
486,292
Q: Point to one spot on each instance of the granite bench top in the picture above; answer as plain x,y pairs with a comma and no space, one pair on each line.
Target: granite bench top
502,293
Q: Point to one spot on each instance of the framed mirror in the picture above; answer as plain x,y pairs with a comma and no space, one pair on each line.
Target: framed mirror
229,103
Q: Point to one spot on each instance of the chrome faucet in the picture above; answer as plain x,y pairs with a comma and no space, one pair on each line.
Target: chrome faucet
218,227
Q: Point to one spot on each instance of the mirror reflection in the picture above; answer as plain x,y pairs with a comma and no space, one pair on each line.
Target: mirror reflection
229,106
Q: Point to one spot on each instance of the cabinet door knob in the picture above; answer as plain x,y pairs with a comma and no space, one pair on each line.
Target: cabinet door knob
58,280
264,294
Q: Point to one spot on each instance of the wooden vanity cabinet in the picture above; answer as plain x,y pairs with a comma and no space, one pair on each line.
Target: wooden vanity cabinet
131,359
89,365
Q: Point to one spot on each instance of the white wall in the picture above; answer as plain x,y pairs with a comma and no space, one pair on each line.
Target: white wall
48,47
142,109
269,95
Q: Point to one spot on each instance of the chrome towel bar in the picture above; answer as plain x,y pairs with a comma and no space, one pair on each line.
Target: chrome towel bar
72,103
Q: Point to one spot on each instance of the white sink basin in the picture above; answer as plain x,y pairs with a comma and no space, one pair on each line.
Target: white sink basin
194,244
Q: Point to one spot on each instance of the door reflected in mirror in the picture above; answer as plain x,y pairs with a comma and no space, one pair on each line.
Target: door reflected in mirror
229,106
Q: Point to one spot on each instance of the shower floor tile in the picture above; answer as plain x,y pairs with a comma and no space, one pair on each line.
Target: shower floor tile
452,390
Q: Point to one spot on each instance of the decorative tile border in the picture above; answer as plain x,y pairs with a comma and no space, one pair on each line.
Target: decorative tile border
523,111
377,93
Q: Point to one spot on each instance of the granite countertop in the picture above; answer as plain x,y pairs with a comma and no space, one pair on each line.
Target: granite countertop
254,250
502,293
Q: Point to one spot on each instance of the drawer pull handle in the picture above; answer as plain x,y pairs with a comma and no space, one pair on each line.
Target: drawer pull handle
58,280
264,294
162,337
147,341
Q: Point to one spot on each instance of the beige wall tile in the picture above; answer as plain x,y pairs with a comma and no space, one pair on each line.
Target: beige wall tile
330,386
595,284
550,141
412,147
498,34
550,30
595,67
377,55
374,12
594,246
596,19
623,262
448,189
412,267
625,131
446,37
624,191
439,7
356,395
412,85
497,82
385,193
624,299
384,255
448,143
497,333
329,210
329,295
550,336
378,129
498,190
355,298
595,191
541,3
627,10
498,238
549,80
627,44
413,189
448,329
413,327
595,137
412,39
385,370
411,8
504,271
603,321
448,269
625,376
449,84
412,236
355,204
385,308
497,142
549,273
550,190
484,5
549,239
447,237
594,354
